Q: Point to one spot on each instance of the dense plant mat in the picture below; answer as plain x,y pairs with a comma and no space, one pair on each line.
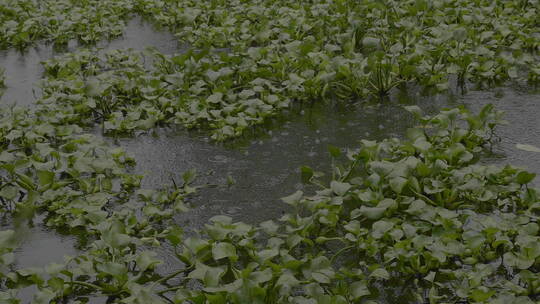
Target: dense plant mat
419,219
425,41
249,60
23,22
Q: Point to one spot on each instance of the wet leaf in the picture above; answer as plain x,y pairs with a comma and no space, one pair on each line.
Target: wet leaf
528,148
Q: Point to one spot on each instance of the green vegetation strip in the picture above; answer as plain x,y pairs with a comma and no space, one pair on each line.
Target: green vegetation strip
417,218
250,59
23,22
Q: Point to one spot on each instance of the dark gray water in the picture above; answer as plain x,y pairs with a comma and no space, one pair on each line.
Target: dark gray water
266,168
522,111
265,165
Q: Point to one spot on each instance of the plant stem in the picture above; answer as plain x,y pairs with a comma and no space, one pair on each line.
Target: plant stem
340,252
86,284
169,290
424,197
170,276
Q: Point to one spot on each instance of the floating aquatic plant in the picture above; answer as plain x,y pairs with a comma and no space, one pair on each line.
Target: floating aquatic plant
419,210
23,22
414,220
238,73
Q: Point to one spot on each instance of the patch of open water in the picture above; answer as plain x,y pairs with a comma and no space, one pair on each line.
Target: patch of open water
522,112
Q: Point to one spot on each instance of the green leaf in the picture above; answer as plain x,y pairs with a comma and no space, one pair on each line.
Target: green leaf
335,152
147,260
44,296
371,42
398,183
286,282
210,276
175,235
528,148
116,239
380,228
524,177
372,213
380,273
114,269
422,145
340,188
224,250
415,110
293,199
45,178
9,192
518,261
358,290
306,173
215,98
7,239
481,294
261,276
269,227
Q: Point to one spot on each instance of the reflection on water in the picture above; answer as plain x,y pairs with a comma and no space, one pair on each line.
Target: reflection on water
22,71
40,247
139,35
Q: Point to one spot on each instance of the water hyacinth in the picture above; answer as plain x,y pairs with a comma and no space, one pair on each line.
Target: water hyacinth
420,210
238,73
414,220
26,21
426,41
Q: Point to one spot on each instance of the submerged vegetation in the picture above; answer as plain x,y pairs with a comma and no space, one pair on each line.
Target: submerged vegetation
420,213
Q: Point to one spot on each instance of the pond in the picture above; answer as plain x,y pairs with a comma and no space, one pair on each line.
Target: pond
265,165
